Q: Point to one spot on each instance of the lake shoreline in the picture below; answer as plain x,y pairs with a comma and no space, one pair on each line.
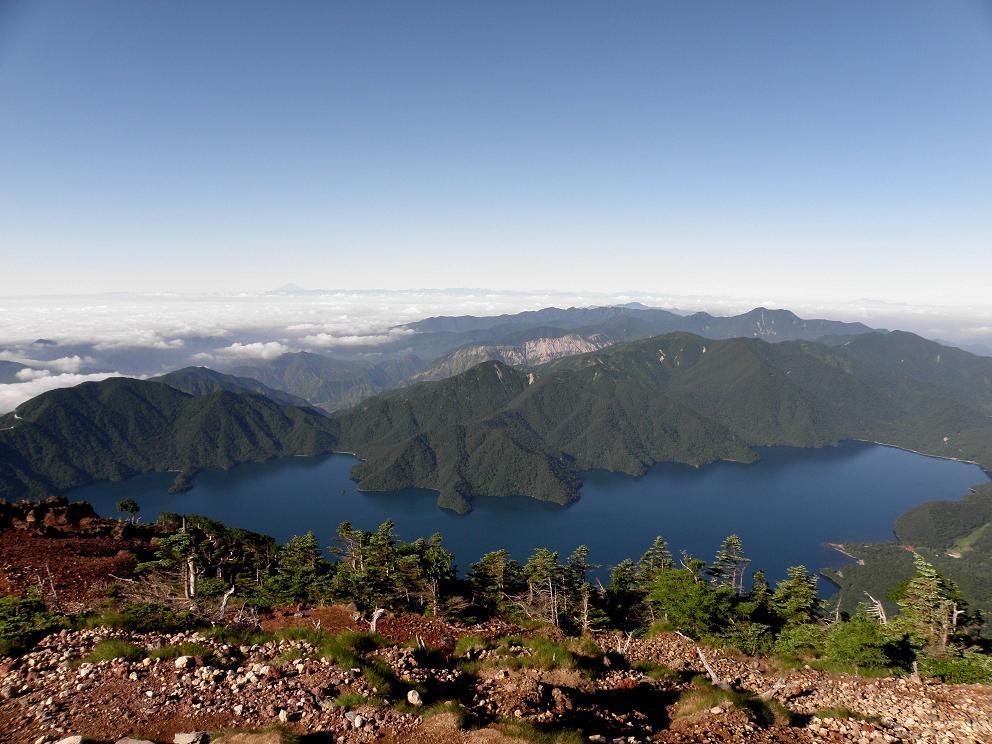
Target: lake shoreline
790,507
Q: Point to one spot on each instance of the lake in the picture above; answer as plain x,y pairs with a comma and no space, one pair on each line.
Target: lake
785,507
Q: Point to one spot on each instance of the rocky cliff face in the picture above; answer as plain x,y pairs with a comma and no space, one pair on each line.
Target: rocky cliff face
528,353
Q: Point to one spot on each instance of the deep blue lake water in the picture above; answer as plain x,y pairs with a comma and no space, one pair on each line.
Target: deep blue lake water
785,507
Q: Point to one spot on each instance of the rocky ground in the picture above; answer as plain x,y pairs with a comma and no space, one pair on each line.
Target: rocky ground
410,687
482,696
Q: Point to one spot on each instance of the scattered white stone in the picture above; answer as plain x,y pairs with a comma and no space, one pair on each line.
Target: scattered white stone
413,697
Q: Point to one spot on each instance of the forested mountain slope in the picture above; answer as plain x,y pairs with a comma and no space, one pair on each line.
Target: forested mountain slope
120,427
203,381
331,383
496,430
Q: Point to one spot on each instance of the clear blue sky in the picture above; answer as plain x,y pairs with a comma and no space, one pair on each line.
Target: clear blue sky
836,149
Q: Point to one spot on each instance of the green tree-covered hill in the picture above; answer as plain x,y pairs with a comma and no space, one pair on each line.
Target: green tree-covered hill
121,427
203,381
495,430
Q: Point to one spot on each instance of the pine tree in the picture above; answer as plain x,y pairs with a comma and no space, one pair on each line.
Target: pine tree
301,571
795,600
931,608
730,565
544,585
625,595
579,593
657,558
130,507
437,567
487,578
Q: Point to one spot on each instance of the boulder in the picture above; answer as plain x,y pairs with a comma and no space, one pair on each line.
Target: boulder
413,697
193,737
184,662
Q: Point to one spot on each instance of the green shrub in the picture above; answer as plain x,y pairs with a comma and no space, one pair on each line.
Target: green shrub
349,650
970,667
751,638
657,627
862,643
538,652
23,621
144,617
805,641
346,649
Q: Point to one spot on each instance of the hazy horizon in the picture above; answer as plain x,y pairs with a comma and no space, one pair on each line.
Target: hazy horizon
101,335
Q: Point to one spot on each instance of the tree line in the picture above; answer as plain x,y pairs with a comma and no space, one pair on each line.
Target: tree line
201,565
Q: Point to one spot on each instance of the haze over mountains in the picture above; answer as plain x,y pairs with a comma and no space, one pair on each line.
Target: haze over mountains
442,346
490,428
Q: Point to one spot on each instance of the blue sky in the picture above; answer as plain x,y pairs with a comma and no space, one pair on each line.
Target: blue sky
810,150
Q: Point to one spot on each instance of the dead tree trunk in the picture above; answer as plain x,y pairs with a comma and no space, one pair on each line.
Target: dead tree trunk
375,619
191,577
717,682
877,610
55,595
223,603
770,692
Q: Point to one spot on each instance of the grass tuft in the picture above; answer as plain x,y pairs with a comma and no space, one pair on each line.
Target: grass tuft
469,643
702,696
285,735
657,671
114,648
447,706
353,700
530,733
233,636
845,713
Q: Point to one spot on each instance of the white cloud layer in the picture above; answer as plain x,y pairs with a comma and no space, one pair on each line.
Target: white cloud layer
330,340
260,350
173,329
13,394
62,364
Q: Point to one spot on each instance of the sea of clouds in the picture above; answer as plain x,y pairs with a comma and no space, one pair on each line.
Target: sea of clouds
97,336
